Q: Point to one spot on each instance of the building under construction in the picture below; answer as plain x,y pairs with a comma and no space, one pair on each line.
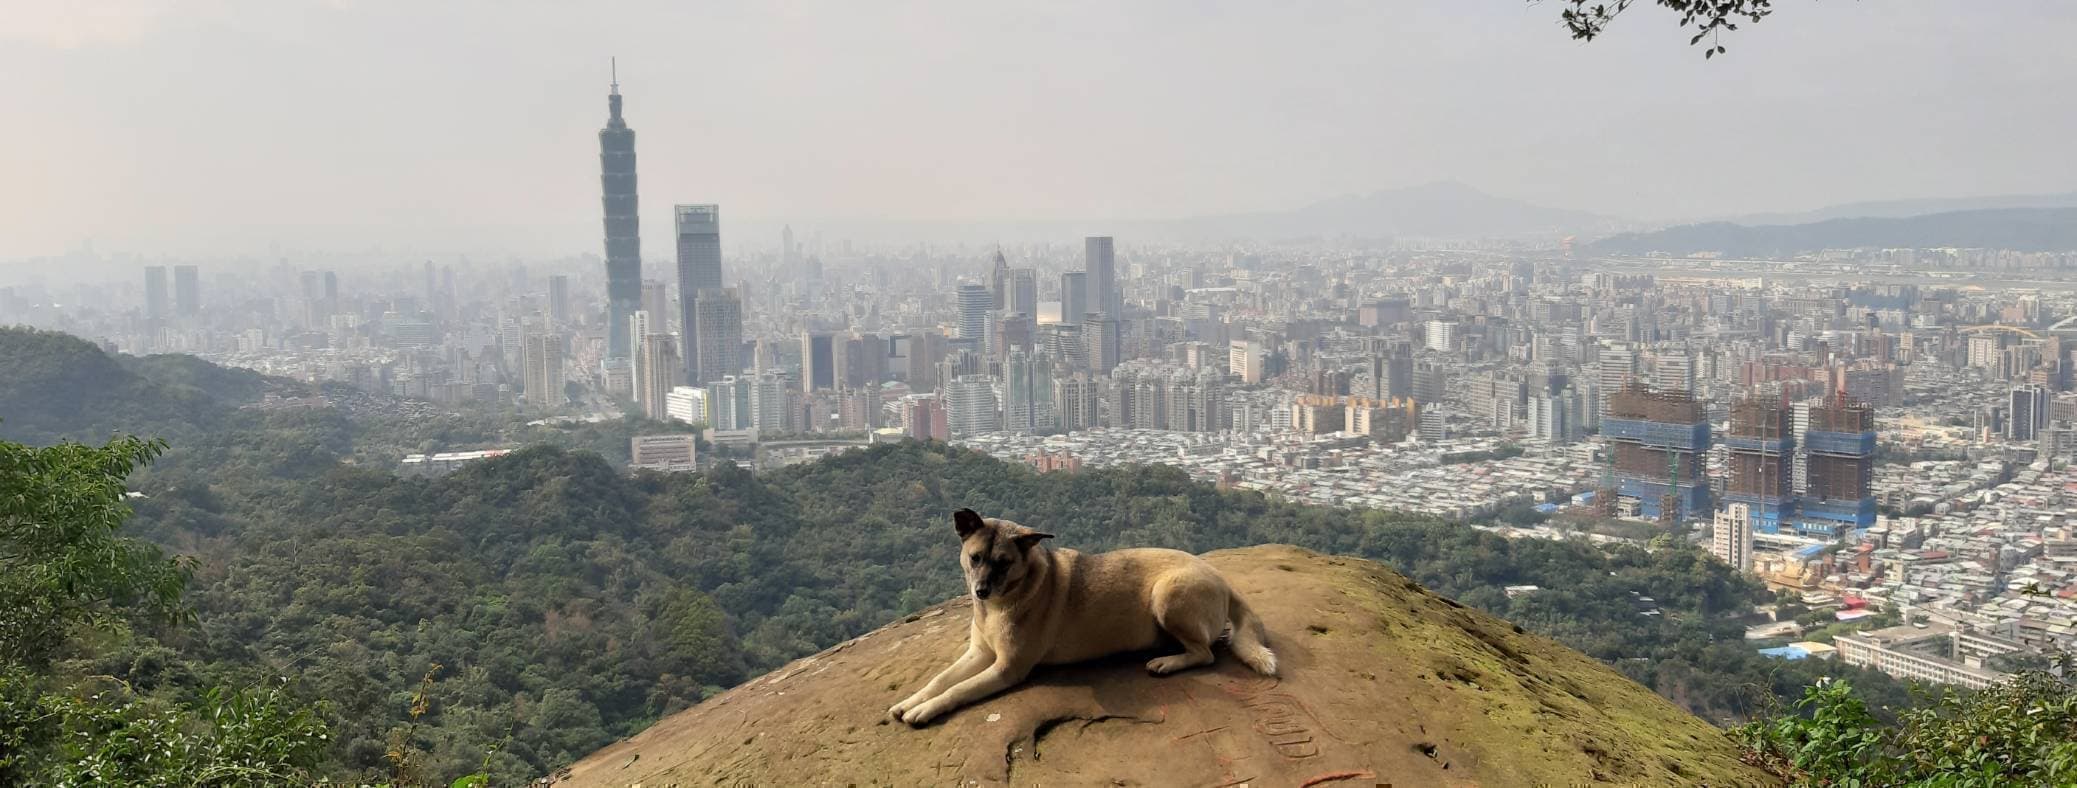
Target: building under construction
1839,455
1659,439
1760,445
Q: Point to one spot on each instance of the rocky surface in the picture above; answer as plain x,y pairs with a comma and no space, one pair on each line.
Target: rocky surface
1382,683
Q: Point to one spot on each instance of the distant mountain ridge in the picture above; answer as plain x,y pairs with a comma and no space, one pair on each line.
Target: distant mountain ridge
1898,209
2019,229
1440,210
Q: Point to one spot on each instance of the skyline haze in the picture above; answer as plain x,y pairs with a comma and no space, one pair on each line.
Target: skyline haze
228,128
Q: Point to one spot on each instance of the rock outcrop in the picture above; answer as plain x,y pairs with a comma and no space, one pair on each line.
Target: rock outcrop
1382,683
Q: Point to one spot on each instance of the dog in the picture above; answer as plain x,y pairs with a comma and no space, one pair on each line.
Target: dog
1034,605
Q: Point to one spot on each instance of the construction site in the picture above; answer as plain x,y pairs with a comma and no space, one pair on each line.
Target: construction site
1760,445
1839,454
1658,439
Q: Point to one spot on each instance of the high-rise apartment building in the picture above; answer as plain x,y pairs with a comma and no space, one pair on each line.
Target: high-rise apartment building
1078,400
1615,371
771,404
657,374
1023,377
1244,360
728,403
974,408
1442,335
1674,371
623,226
1731,536
1554,418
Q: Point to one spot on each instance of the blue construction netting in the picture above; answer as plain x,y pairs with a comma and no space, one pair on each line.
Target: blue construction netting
1692,437
1846,443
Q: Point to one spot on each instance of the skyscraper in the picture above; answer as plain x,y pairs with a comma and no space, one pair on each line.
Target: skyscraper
623,228
818,361
1100,341
974,408
1027,393
1101,262
716,334
637,327
999,281
544,370
656,300
559,299
1023,292
187,291
1074,296
432,289
974,304
699,270
155,292
2027,413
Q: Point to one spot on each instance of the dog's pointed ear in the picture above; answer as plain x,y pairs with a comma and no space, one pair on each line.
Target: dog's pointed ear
966,522
1029,539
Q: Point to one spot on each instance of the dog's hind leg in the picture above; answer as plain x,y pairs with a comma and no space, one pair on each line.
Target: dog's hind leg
1184,608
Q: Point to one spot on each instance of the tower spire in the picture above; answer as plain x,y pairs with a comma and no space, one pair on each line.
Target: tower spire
615,66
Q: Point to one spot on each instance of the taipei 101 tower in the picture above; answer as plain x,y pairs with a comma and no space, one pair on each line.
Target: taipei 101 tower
623,231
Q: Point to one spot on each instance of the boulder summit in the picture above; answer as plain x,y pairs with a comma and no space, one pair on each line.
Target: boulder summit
1382,683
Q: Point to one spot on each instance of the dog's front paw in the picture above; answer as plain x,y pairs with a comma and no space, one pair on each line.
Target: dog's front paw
1162,666
921,715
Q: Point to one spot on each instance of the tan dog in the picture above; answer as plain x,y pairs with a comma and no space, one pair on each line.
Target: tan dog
1036,606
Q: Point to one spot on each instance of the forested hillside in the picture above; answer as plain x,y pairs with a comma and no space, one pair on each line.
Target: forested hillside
556,602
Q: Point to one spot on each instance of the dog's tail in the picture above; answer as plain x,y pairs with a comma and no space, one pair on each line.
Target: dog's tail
1249,636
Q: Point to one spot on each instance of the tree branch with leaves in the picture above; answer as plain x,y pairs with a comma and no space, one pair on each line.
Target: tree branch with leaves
1588,19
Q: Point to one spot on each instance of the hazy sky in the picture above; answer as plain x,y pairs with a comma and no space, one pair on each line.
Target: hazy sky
219,126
